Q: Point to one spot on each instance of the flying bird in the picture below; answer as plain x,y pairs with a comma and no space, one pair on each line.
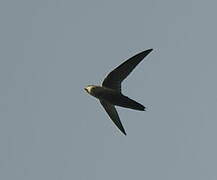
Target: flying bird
109,94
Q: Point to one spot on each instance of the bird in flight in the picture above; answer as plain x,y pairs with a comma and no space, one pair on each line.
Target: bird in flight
109,94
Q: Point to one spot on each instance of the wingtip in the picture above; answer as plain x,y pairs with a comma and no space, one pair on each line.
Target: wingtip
146,52
149,50
123,131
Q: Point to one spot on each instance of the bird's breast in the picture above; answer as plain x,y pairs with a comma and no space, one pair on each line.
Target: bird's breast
103,93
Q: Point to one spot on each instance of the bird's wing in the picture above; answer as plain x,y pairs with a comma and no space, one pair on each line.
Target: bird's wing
113,114
115,77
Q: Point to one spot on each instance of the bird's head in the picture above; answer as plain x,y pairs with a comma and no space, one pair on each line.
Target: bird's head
89,88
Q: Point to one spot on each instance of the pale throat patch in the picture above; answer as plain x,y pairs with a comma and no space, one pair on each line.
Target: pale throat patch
89,88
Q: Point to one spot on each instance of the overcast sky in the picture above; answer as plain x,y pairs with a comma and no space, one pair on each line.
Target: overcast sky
51,129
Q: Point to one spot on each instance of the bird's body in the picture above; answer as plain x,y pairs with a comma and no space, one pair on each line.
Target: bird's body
110,94
114,97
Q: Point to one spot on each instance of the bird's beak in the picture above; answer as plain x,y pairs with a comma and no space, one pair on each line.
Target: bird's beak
85,89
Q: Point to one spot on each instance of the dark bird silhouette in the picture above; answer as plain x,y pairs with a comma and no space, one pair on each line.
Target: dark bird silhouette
109,94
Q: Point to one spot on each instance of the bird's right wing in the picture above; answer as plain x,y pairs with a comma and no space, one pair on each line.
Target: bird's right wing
113,114
115,77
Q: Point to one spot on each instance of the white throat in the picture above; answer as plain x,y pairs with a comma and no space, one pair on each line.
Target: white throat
89,89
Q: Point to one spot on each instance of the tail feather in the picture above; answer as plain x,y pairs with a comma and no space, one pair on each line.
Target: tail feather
129,103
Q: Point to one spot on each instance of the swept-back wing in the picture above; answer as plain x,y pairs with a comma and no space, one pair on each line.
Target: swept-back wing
115,77
113,114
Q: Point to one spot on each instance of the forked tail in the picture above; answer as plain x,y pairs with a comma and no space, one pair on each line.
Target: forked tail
129,103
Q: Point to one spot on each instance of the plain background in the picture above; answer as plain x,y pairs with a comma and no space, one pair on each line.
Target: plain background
50,128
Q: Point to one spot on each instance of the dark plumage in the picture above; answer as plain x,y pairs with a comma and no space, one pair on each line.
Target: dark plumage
110,94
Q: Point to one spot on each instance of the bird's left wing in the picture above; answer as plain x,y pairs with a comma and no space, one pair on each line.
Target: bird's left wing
113,114
115,77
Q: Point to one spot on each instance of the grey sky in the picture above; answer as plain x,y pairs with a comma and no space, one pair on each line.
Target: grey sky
50,128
